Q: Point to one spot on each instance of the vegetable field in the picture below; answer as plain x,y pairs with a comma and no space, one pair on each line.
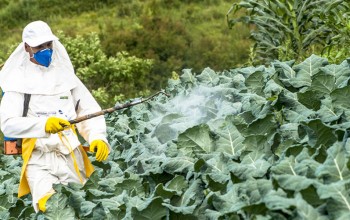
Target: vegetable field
247,143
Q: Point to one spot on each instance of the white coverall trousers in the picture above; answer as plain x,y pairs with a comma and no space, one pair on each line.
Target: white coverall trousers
47,168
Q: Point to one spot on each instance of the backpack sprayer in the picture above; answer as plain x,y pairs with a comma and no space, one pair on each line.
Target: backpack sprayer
12,147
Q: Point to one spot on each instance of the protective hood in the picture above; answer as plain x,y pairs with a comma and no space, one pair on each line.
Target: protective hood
36,33
19,74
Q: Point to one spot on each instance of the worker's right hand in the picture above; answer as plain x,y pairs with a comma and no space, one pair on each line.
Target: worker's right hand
54,125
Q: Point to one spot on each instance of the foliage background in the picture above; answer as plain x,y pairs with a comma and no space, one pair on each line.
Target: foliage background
167,36
294,29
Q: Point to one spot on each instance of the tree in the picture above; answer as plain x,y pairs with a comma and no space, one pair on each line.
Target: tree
292,29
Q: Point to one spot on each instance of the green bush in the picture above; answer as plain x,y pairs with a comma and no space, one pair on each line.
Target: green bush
110,79
176,35
293,29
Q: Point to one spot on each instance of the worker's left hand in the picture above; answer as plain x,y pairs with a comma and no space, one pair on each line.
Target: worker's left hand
101,149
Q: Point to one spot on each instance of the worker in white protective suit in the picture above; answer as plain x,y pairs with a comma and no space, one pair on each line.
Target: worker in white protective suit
51,151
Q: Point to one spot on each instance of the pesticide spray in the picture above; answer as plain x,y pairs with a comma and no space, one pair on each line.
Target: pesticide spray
199,105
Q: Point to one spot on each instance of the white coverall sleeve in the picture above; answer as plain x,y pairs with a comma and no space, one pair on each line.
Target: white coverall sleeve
94,128
13,124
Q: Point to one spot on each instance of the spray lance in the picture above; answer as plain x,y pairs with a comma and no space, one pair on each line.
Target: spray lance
116,107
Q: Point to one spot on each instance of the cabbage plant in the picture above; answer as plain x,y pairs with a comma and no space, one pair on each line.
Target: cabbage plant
248,143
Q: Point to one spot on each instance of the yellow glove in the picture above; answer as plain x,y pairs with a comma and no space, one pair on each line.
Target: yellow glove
54,125
102,149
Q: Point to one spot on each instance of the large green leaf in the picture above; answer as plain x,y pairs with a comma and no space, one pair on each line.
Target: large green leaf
295,167
290,131
285,72
184,210
166,130
187,77
278,200
208,76
243,195
193,196
255,83
260,143
178,165
129,185
335,168
217,170
247,71
86,208
197,139
178,184
319,133
340,96
252,165
323,83
306,70
228,202
293,182
264,126
4,203
229,139
254,103
272,90
338,205
56,208
285,167
293,110
341,73
151,209
21,209
112,203
306,211
328,112
310,99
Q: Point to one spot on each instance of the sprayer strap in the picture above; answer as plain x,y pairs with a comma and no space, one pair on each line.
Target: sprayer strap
26,104
24,114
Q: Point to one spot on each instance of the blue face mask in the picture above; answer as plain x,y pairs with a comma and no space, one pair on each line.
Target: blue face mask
43,57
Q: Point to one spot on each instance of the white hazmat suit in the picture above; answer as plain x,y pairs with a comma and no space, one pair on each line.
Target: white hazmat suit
55,92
